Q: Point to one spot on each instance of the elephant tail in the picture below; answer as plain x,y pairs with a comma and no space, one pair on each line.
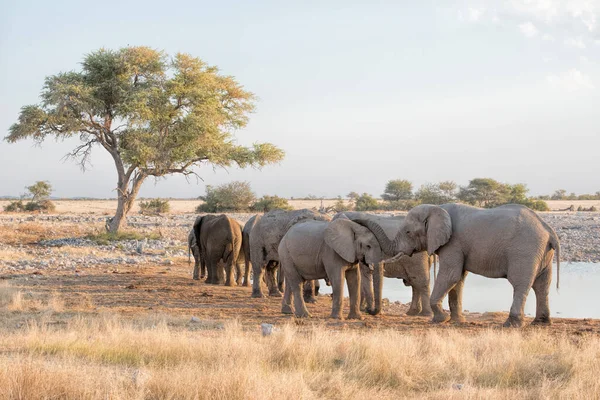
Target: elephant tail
554,243
189,254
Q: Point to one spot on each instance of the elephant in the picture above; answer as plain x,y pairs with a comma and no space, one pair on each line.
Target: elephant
194,249
509,241
220,238
264,241
318,249
414,271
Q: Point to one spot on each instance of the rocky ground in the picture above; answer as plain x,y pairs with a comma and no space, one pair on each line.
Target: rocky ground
62,242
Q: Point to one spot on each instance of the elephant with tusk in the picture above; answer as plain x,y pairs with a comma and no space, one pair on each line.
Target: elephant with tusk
510,242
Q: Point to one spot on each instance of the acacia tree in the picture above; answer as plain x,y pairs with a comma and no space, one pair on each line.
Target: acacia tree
153,114
397,189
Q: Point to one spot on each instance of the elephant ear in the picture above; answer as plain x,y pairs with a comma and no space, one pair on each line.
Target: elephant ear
339,235
439,228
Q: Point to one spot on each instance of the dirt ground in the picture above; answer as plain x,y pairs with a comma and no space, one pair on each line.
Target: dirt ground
169,290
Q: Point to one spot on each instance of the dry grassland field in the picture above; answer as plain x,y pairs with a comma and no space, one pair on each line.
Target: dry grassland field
99,319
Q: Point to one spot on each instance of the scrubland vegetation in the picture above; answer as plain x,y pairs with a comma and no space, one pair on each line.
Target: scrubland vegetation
58,354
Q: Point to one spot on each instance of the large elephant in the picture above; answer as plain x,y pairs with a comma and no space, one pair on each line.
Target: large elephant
264,241
414,271
318,249
510,242
220,238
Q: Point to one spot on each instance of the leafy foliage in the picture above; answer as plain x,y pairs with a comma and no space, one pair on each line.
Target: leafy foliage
154,206
366,202
488,193
268,203
398,189
153,114
340,206
436,193
233,196
40,190
15,206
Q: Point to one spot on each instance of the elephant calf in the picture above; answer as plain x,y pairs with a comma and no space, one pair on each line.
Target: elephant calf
319,249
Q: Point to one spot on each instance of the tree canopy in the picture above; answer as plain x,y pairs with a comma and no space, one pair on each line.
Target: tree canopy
397,189
155,115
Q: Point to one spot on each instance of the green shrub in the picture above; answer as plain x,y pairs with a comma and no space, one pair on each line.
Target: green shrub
366,202
340,206
399,205
154,206
43,205
268,203
234,196
15,206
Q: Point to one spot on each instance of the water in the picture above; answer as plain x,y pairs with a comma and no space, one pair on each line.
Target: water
578,296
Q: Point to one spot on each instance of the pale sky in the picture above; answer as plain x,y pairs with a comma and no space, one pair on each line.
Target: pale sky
356,92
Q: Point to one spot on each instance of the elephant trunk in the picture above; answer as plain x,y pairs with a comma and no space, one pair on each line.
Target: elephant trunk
378,288
388,246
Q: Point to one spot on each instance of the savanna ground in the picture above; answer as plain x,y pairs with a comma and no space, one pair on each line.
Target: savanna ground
82,324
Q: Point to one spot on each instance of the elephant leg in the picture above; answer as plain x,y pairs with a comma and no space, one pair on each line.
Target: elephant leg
270,276
280,279
317,287
203,271
449,274
258,269
455,300
220,272
415,304
521,278
366,289
196,271
423,291
337,285
246,273
286,303
353,281
238,273
541,288
309,292
229,278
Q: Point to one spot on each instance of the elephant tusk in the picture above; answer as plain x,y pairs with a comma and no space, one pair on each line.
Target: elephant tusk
394,259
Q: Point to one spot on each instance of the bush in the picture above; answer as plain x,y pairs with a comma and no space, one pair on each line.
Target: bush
15,206
340,206
43,205
399,205
592,208
234,196
538,205
154,206
268,203
366,202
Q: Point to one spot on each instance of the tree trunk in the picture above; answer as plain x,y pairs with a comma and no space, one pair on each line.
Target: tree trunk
125,198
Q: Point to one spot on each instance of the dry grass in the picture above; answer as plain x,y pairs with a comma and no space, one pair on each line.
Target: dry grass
30,232
153,357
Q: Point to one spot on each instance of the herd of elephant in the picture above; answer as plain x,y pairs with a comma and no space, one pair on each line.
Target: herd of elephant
291,250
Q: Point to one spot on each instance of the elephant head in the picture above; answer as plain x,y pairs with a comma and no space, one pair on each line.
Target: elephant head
355,243
425,228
